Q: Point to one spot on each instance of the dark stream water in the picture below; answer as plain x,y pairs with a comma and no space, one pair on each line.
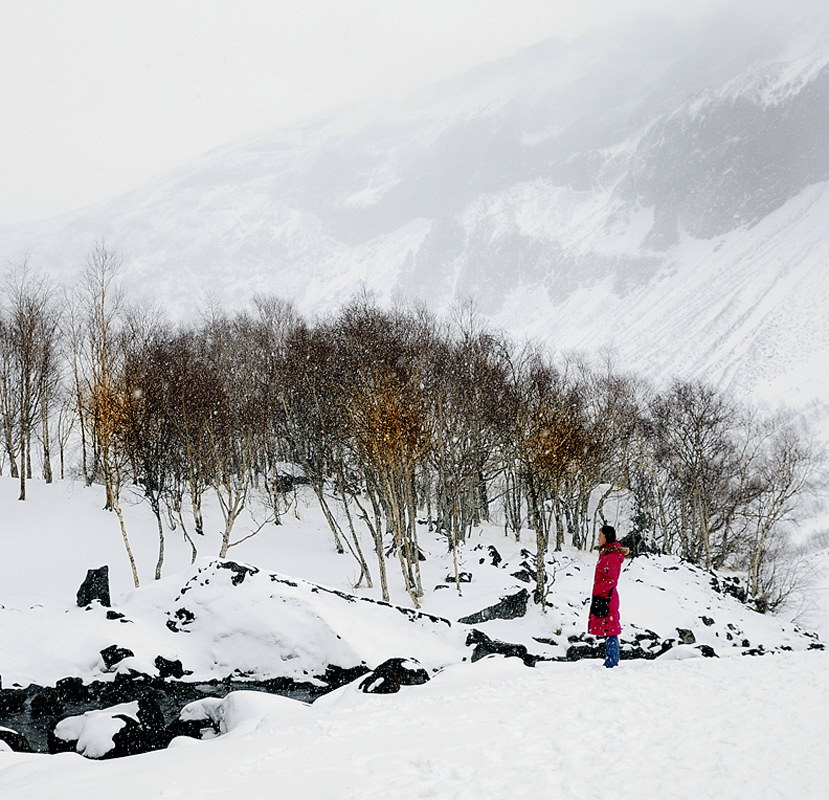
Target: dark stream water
34,712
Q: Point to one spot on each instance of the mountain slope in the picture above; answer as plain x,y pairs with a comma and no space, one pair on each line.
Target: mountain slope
659,190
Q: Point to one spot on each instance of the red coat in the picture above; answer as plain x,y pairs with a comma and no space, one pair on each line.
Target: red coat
608,569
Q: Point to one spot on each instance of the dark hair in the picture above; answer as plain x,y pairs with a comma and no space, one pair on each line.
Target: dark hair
609,533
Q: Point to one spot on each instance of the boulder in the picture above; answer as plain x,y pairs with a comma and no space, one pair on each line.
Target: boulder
510,607
94,587
576,652
392,674
123,730
484,646
168,668
494,556
463,577
686,636
113,654
193,729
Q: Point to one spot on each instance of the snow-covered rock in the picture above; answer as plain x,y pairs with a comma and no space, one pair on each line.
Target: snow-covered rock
121,730
241,620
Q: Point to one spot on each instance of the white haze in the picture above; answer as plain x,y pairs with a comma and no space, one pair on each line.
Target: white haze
97,97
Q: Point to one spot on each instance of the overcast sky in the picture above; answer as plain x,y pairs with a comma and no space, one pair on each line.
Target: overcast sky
97,96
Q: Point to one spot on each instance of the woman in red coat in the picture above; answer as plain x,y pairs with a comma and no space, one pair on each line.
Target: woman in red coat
604,607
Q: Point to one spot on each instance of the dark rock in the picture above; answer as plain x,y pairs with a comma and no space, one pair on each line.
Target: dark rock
240,571
637,545
523,575
392,674
630,653
283,482
17,742
494,556
745,643
55,744
577,652
169,669
113,654
707,621
510,607
686,636
94,587
484,646
463,577
816,646
193,728
114,615
12,701
183,617
335,676
71,690
731,585
542,640
707,650
47,703
140,734
646,636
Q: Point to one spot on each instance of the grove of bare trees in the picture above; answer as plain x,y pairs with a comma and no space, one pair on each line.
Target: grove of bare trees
394,419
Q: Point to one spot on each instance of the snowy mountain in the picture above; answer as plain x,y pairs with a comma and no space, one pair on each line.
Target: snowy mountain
657,189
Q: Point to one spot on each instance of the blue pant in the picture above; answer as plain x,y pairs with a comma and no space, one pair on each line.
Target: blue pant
611,651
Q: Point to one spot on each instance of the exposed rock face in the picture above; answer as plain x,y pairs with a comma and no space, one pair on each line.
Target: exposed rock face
95,587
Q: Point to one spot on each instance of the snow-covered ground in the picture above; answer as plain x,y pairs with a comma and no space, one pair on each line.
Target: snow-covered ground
678,726
727,728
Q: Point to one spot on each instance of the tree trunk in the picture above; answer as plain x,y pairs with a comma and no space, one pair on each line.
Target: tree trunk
125,538
22,466
160,563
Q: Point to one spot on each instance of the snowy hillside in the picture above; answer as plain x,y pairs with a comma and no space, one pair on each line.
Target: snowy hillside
295,615
672,206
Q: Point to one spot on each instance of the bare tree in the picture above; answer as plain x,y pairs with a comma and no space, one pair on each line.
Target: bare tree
106,396
32,327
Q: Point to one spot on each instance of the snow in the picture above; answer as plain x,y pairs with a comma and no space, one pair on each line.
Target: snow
497,729
679,726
